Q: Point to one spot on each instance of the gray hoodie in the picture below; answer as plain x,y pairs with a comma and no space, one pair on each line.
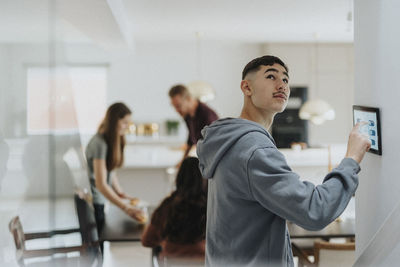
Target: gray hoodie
252,192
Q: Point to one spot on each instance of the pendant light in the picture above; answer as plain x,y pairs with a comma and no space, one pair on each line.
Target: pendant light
316,110
200,89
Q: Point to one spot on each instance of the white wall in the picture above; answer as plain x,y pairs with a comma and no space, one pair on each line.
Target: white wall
142,79
327,70
377,57
3,85
16,59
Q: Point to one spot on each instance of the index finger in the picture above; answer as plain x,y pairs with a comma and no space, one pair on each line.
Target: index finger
359,124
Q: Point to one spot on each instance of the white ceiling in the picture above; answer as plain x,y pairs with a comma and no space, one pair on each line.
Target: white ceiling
245,20
157,20
26,21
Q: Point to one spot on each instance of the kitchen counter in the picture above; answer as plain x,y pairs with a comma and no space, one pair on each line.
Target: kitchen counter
314,156
149,173
151,156
168,140
163,155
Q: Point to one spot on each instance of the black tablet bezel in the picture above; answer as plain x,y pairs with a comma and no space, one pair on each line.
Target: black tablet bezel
378,122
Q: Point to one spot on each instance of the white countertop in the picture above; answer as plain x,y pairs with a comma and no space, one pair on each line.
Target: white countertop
314,156
158,155
167,140
151,156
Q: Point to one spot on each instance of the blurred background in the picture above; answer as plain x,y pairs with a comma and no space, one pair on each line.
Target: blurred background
63,62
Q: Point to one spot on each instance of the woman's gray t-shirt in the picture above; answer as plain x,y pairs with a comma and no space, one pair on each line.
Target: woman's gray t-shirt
96,149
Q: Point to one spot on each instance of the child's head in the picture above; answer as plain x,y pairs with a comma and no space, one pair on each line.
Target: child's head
185,221
189,180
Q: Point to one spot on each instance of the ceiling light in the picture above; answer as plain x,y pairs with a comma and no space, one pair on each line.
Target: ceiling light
317,111
200,89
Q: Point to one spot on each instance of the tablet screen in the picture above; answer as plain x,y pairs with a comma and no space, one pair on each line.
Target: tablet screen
372,129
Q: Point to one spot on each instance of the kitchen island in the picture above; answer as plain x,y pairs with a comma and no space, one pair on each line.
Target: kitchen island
149,169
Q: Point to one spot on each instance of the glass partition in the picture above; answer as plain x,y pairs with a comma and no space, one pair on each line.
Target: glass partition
44,102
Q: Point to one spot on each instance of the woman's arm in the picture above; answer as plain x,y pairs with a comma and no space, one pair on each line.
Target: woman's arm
116,186
100,174
118,190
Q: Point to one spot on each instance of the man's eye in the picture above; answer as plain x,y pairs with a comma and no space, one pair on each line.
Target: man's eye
272,77
286,81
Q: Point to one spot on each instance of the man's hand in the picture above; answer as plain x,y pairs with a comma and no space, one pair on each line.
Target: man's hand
358,143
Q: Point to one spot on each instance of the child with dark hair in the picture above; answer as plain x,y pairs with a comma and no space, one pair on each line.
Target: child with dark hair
178,225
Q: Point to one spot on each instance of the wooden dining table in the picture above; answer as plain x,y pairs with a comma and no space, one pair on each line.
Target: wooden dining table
340,228
121,227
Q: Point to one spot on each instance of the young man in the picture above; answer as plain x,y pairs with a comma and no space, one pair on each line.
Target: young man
196,114
251,189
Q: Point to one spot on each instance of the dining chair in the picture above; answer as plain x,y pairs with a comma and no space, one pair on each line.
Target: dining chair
302,249
329,254
117,227
86,217
51,256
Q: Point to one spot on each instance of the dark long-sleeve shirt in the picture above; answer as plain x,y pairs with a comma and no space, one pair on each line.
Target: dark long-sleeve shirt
204,116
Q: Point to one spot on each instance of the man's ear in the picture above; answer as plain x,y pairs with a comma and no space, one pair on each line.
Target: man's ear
245,86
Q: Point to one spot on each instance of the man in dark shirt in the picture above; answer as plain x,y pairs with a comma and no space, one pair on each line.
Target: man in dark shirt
196,114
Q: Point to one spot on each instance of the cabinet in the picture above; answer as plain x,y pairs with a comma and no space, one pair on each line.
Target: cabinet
287,126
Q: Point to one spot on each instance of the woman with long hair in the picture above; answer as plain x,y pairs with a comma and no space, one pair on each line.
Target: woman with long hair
178,225
104,154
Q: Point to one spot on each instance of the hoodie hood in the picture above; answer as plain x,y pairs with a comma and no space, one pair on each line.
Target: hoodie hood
219,137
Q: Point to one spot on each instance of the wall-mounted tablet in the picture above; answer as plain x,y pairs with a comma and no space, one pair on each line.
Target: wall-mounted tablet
372,128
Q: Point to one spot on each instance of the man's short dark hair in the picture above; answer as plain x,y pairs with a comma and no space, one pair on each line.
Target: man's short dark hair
178,89
255,64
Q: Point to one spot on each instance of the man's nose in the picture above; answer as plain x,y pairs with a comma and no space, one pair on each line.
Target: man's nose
282,86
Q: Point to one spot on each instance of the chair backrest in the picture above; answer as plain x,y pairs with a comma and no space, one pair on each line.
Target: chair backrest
89,254
334,254
86,218
88,228
76,162
17,231
83,198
